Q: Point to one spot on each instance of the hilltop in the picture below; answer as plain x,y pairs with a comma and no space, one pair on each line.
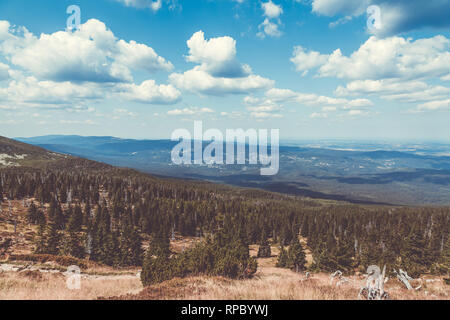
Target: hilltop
15,154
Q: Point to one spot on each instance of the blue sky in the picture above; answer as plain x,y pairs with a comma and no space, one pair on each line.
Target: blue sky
142,68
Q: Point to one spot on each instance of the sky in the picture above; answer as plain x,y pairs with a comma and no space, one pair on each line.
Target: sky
315,69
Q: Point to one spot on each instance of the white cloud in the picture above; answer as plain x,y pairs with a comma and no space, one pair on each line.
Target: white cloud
269,28
154,5
189,111
394,57
434,105
307,60
61,94
91,54
314,100
149,92
335,7
271,10
218,72
66,70
86,122
199,81
393,90
265,115
216,56
396,15
384,87
270,25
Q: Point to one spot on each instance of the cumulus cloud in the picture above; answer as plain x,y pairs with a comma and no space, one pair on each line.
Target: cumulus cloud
270,25
396,15
307,60
149,92
91,54
393,57
271,10
216,56
32,91
68,70
432,106
218,72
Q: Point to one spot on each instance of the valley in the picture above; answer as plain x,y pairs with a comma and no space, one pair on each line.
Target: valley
357,172
138,236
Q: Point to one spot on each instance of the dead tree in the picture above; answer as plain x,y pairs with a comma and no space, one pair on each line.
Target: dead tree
374,289
404,278
341,279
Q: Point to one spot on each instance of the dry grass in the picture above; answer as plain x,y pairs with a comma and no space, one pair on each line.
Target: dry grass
46,286
270,283
273,283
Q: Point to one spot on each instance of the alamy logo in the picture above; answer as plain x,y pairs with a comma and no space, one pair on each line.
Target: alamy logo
74,20
374,18
73,278
236,142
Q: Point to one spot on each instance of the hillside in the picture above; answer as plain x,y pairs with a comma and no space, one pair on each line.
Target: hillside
14,153
57,211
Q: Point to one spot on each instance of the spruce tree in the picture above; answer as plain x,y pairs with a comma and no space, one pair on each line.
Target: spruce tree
40,240
32,214
296,256
75,220
52,239
282,258
73,245
264,247
446,257
415,256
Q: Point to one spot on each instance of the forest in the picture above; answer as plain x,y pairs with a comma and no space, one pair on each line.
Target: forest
120,217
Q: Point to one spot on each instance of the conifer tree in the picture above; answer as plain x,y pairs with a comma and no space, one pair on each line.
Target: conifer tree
32,214
282,258
73,245
52,239
40,240
264,247
415,256
296,256
446,257
75,220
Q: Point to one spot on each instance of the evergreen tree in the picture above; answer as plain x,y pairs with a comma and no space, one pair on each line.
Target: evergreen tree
32,213
52,239
415,257
40,240
282,258
75,220
296,256
264,247
72,245
446,257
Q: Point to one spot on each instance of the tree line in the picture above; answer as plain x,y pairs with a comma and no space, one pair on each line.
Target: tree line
105,214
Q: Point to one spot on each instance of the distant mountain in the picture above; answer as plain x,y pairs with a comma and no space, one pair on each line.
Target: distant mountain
355,172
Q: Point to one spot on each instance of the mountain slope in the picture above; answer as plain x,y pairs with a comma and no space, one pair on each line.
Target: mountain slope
18,154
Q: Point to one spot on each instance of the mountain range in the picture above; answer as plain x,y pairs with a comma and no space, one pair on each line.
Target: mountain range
357,172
